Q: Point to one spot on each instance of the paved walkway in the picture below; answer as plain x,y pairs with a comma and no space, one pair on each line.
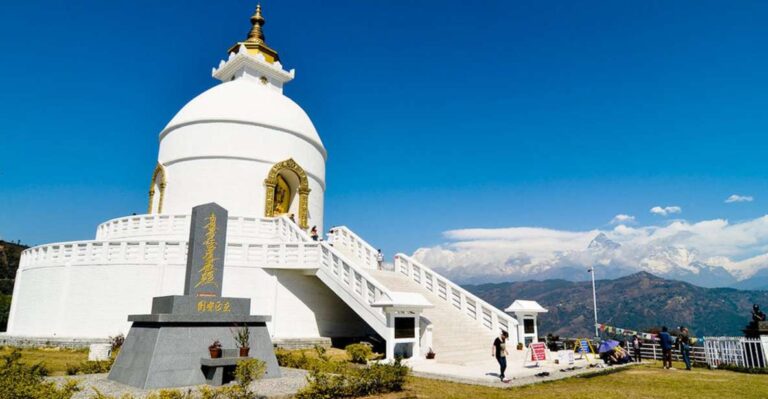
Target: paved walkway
486,372
271,388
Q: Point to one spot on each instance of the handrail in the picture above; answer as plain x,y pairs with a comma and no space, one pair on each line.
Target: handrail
348,242
469,304
335,264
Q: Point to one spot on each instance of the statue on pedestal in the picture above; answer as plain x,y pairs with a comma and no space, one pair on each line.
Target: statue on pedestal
757,314
758,326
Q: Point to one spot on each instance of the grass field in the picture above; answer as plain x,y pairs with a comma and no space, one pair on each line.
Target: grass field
55,359
645,381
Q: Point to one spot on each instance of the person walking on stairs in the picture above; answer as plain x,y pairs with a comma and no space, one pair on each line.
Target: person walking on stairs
499,350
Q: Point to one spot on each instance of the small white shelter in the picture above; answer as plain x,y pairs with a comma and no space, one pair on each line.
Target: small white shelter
526,313
402,311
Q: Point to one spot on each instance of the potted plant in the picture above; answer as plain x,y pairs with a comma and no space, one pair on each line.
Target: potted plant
242,336
430,354
519,346
215,349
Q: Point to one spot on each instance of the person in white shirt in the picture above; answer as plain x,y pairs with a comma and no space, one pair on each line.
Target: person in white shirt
380,259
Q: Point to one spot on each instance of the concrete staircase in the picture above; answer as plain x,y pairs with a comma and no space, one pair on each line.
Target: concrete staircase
456,338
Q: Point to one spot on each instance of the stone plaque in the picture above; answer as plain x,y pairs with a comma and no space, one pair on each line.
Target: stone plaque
205,257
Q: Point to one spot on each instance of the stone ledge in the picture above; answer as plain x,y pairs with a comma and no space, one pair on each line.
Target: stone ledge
61,342
221,361
301,343
217,318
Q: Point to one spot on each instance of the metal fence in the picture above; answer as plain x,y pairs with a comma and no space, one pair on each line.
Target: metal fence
735,351
652,350
715,352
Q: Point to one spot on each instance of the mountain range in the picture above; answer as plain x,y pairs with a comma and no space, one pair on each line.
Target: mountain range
610,259
639,301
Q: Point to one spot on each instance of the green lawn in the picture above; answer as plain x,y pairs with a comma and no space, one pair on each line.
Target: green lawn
55,359
646,381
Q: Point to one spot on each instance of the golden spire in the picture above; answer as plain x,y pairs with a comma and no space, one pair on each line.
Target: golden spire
255,43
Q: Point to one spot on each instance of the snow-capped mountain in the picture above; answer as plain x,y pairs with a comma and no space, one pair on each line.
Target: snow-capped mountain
612,260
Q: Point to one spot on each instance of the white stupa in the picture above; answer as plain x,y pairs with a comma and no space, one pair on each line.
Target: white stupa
246,146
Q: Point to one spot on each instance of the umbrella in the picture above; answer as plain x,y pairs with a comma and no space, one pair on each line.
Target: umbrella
606,346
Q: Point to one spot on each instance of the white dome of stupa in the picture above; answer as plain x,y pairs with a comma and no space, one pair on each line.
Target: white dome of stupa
246,100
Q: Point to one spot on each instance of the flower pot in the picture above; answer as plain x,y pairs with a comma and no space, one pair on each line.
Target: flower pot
244,352
215,353
431,355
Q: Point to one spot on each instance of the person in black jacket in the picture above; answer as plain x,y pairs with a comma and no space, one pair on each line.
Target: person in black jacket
636,344
665,340
684,344
499,351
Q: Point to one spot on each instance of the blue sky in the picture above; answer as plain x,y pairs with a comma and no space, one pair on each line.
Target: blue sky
436,115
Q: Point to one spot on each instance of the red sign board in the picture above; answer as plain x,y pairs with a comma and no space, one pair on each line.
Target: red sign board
538,351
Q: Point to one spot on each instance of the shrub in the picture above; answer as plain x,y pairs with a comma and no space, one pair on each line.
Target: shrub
91,367
359,353
249,370
740,369
376,379
300,360
20,381
162,394
116,342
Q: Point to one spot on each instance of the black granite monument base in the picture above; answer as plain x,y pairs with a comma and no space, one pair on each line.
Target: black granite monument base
164,350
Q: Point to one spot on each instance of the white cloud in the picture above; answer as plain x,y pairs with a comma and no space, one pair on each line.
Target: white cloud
738,198
623,219
667,210
475,255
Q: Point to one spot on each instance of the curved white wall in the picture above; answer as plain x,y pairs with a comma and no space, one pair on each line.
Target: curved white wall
227,162
86,289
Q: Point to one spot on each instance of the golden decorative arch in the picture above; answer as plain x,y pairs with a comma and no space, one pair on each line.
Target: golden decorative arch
158,179
271,183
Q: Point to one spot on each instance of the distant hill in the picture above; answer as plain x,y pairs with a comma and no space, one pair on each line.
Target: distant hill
10,253
639,301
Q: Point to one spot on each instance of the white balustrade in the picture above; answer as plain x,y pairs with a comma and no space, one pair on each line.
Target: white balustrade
470,305
299,255
176,227
355,247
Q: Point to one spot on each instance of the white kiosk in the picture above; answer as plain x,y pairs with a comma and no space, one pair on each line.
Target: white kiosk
526,313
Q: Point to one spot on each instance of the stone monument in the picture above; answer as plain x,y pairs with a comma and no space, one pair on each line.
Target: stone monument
169,347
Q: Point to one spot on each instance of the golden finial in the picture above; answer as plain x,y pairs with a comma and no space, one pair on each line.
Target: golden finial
255,43
256,35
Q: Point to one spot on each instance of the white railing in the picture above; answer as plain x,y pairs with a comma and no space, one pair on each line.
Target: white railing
355,281
468,304
355,247
351,276
285,255
176,227
736,351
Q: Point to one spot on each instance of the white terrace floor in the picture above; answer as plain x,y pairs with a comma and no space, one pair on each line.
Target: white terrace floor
486,372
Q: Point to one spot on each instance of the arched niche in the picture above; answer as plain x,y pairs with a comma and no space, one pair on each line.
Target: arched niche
157,185
287,173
